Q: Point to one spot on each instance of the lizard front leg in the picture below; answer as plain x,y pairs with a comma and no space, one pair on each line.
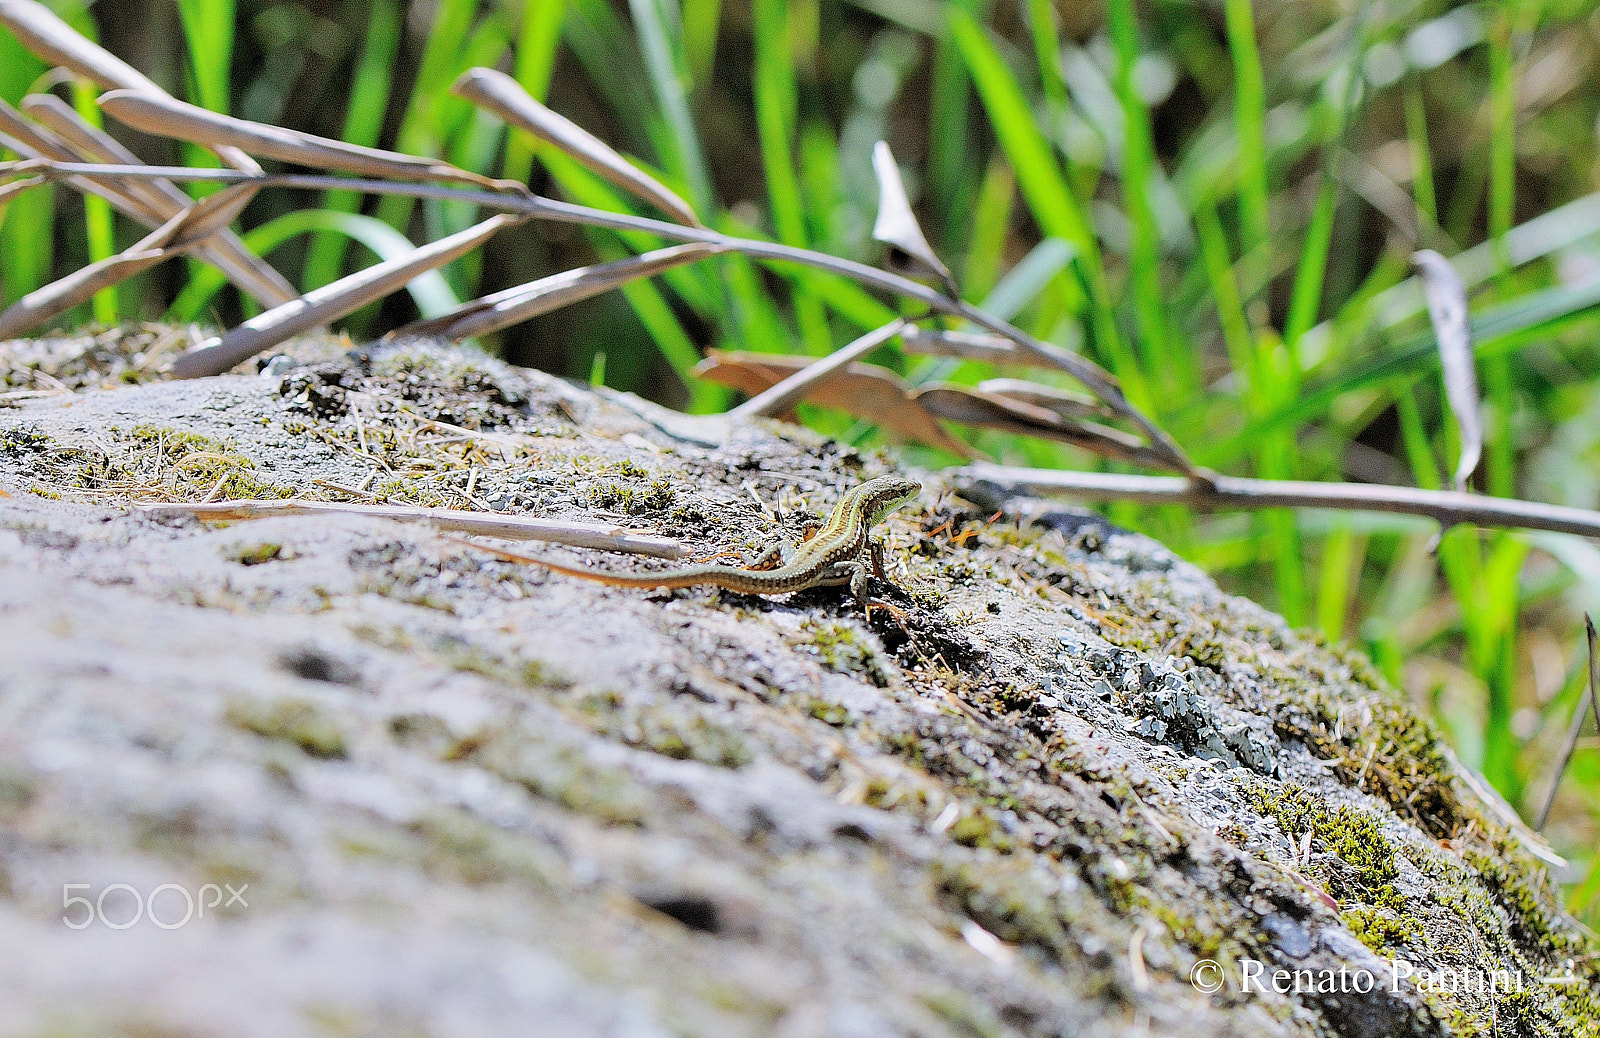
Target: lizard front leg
852,573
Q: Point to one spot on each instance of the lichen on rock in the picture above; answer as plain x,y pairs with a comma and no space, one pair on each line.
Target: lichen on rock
1050,778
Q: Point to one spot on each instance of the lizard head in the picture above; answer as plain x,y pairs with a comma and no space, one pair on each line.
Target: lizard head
885,494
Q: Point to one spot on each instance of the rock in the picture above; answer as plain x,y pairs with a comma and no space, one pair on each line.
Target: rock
409,787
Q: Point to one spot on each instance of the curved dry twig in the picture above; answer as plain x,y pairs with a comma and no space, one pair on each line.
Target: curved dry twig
1449,507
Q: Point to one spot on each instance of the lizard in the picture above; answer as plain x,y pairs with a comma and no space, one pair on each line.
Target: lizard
831,557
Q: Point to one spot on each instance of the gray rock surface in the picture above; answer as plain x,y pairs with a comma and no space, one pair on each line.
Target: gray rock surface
1052,775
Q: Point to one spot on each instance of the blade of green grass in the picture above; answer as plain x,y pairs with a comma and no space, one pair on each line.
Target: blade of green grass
1338,565
697,284
208,32
1414,435
26,242
843,296
363,122
644,297
1500,461
1047,52
474,149
1033,273
1305,301
471,136
1250,120
421,129
27,237
1138,158
1055,208
701,21
1502,131
820,183
1487,594
1583,900
609,54
536,59
1225,293
1421,154
991,226
1277,461
1532,317
756,322
1497,599
776,106
951,174
665,63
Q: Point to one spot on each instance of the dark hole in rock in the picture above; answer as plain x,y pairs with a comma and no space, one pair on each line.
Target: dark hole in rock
692,910
316,665
852,831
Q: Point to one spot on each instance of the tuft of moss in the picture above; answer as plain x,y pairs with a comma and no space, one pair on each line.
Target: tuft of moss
254,554
844,648
300,722
672,735
191,466
1379,930
1348,832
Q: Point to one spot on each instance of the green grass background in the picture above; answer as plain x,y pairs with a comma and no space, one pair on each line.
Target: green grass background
1214,200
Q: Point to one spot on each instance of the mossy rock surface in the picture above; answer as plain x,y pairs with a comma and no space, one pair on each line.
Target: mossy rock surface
1051,776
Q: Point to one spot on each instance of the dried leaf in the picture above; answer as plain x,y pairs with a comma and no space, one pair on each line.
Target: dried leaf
975,407
864,390
168,117
897,225
182,233
514,305
333,301
995,349
1068,405
38,28
504,96
1447,308
63,294
782,397
160,199
16,187
209,215
35,141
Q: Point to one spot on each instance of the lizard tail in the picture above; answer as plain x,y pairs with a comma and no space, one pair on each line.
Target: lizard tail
642,580
682,578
